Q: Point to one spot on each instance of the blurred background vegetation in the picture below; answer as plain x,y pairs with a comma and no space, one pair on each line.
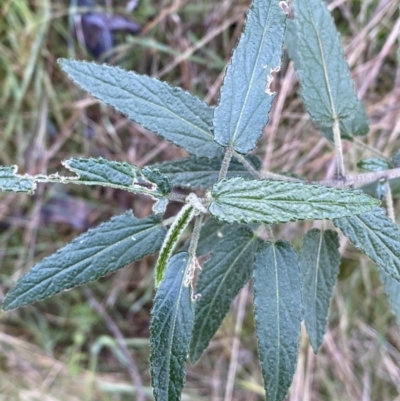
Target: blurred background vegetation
68,347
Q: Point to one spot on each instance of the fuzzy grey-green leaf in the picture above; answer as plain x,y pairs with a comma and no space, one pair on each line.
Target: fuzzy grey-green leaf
10,181
239,200
376,236
115,174
246,98
99,251
201,172
277,312
319,260
326,84
170,331
223,275
170,112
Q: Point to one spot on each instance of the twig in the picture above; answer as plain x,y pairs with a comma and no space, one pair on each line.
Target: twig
361,179
113,328
225,163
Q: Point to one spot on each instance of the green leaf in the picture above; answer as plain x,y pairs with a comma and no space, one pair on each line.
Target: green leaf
375,164
223,275
212,232
170,331
246,98
319,260
291,43
174,233
238,200
99,251
170,112
392,289
277,312
110,173
200,172
376,236
326,85
357,124
10,181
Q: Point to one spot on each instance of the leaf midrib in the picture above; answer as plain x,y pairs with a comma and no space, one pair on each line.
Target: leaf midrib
250,86
152,103
51,277
322,55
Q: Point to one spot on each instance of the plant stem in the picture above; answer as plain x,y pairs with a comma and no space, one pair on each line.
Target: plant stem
225,163
195,236
271,235
263,174
341,172
174,196
362,179
389,202
365,146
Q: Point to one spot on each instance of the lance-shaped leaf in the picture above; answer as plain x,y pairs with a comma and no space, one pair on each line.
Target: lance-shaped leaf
10,181
174,233
200,172
357,123
99,251
277,312
170,331
121,175
246,98
238,200
223,275
326,84
170,112
319,260
376,236
392,289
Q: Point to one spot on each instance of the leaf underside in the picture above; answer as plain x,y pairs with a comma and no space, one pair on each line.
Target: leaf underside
376,236
326,85
246,99
174,233
239,200
223,275
277,312
319,260
170,112
357,123
170,331
99,251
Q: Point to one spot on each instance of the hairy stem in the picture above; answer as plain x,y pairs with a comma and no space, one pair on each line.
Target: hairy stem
361,179
341,172
225,163
263,174
389,202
